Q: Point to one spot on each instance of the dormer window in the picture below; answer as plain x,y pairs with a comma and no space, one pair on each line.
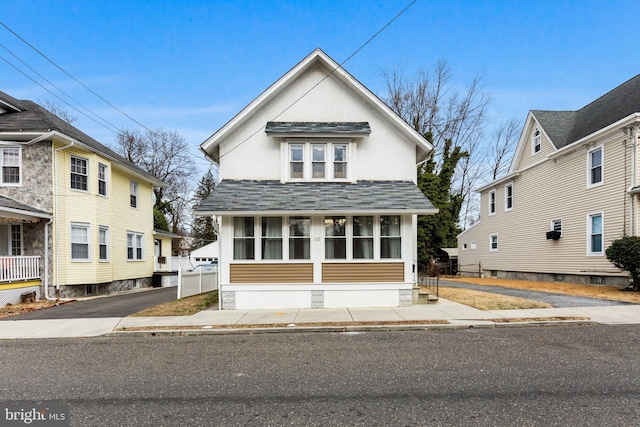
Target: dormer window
296,161
318,161
340,161
318,151
310,161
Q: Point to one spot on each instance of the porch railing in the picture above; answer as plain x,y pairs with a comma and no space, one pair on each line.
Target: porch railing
427,277
14,268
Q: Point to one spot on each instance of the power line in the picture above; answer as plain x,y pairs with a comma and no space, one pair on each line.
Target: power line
60,90
76,80
36,82
325,77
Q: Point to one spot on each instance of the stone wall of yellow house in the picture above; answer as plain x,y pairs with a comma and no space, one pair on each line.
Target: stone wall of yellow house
95,210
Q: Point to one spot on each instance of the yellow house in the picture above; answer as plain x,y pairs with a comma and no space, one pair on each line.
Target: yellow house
75,217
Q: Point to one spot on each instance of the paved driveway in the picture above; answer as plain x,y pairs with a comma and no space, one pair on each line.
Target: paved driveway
108,306
555,300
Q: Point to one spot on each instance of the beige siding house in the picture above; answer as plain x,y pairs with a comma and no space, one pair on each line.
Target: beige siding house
75,217
571,190
318,203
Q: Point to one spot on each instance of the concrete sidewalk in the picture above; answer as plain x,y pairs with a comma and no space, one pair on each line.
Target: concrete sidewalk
451,315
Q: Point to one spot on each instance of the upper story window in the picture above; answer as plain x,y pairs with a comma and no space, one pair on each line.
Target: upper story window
318,161
11,159
79,173
102,179
133,194
340,161
537,144
492,202
296,161
595,167
508,197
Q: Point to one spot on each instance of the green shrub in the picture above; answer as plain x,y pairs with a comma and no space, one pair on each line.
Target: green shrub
624,253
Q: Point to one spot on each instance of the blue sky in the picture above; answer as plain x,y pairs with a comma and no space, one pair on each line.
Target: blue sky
192,65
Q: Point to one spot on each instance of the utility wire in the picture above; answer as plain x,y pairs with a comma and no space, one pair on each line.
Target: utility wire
325,77
61,91
76,80
36,82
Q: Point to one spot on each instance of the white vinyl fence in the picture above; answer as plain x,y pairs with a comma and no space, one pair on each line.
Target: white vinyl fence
196,282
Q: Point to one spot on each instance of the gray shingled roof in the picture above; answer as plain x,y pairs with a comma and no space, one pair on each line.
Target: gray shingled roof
348,128
8,203
566,127
34,118
265,196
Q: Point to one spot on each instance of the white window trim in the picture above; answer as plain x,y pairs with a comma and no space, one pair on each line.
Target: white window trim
473,246
492,205
10,184
88,174
464,246
533,141
589,223
135,234
329,159
137,194
88,243
506,197
107,243
106,180
491,249
597,184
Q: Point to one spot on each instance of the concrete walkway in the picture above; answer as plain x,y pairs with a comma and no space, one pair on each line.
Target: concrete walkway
451,315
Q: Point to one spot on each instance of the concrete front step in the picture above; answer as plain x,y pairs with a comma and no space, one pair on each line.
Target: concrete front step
421,296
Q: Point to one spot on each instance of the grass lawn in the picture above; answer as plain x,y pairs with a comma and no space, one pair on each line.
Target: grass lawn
181,307
487,300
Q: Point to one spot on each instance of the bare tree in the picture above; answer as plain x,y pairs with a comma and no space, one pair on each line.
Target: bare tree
165,155
56,109
504,140
435,108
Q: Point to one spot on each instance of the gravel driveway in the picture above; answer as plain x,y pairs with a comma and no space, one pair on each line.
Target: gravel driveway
556,300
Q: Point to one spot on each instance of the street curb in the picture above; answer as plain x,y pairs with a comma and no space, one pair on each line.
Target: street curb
370,328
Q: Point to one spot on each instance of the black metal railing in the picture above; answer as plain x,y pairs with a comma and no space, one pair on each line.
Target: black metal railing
427,277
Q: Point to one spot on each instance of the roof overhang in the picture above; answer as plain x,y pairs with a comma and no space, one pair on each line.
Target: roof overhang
247,197
115,163
21,215
318,129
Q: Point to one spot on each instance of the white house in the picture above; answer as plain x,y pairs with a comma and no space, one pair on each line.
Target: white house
318,203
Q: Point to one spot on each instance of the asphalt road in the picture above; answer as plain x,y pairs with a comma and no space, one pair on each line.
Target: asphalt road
534,376
556,300
108,306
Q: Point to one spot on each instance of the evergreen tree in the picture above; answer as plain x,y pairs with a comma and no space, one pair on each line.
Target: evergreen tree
439,230
203,230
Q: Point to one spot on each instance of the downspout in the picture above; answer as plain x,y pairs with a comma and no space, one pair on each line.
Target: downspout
46,260
633,179
55,213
